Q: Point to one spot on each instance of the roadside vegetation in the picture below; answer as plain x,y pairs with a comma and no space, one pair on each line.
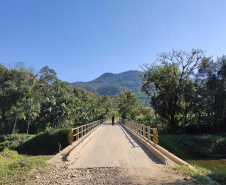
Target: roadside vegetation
196,147
197,173
187,105
188,97
188,146
202,174
15,168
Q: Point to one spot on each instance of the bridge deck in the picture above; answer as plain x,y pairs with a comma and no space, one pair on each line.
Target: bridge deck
111,156
112,146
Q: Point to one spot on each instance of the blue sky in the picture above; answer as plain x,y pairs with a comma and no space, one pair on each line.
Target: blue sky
82,39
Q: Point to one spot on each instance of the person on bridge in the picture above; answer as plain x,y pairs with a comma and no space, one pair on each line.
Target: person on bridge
113,120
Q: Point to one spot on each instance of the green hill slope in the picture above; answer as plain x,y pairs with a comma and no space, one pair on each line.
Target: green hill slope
114,84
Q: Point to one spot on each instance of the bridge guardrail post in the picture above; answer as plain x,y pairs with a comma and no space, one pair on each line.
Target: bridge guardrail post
143,130
140,131
149,133
155,136
77,132
71,136
81,130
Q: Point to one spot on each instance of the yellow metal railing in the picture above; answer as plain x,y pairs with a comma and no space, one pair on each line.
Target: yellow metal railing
80,131
144,131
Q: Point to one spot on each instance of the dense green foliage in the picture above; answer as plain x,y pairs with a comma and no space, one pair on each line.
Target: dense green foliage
131,109
220,177
187,91
114,84
30,103
188,146
47,142
194,147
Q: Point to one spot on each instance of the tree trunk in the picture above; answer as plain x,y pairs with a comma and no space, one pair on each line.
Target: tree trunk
172,123
28,123
14,127
3,117
172,115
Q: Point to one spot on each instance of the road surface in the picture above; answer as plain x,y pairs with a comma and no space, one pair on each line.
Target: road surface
112,156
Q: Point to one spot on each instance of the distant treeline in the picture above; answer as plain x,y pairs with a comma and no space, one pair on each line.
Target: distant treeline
31,102
187,92
114,84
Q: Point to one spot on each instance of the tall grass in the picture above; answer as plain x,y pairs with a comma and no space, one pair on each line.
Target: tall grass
14,167
13,140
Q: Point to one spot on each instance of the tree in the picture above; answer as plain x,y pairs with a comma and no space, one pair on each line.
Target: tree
32,110
211,79
4,104
127,105
16,113
168,83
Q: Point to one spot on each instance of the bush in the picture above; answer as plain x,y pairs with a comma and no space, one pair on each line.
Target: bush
204,145
220,177
2,138
193,145
45,143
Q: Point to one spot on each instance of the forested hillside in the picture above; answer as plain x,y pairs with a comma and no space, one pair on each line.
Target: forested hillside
33,102
114,84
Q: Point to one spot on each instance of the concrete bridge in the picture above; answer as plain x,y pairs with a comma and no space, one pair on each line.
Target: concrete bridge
111,155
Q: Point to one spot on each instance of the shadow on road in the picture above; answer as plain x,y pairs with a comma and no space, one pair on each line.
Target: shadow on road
124,131
131,138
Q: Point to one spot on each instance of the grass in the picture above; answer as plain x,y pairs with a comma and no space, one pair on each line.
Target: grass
199,174
14,167
13,140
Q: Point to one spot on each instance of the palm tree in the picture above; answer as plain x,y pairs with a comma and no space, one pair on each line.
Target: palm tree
16,113
32,110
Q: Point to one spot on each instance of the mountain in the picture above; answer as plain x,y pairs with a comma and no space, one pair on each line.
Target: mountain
114,84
